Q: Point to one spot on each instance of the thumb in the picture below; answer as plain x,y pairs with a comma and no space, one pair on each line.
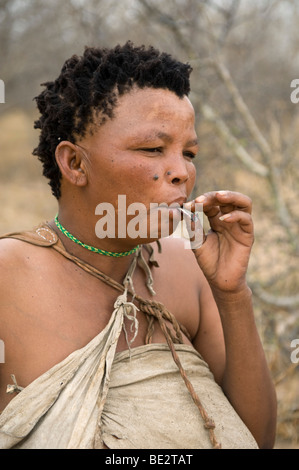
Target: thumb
194,225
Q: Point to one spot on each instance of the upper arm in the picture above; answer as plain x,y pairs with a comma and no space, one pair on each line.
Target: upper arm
209,340
194,305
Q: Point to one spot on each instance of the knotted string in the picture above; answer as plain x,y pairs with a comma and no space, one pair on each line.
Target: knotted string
12,388
155,310
152,310
129,311
158,310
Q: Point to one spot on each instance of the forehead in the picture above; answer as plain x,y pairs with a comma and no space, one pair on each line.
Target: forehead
140,110
144,114
151,104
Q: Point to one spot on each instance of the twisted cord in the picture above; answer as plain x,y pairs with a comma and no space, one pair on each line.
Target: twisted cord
150,328
156,310
149,307
153,308
15,387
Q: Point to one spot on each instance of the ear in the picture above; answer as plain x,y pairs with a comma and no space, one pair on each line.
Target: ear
70,159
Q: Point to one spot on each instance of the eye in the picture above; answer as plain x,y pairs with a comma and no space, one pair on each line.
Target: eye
190,155
152,150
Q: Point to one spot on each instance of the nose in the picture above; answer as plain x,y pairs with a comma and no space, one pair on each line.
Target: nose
177,172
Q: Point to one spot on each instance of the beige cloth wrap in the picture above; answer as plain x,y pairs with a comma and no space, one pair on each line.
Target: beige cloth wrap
93,398
129,400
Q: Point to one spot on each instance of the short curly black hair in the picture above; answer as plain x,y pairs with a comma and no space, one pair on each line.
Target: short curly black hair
92,83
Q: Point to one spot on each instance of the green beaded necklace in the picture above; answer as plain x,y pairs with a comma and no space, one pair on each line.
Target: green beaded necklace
92,248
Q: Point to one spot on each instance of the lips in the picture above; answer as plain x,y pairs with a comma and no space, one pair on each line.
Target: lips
179,201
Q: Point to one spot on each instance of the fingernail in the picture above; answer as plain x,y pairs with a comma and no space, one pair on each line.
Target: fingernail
188,205
223,193
200,199
225,216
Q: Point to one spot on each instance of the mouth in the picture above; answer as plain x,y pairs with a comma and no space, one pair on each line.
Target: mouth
179,205
177,208
189,214
178,202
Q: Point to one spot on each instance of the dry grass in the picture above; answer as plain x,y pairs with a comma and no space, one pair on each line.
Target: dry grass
25,205
25,196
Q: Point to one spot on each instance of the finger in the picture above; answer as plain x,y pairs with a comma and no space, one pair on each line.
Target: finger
243,219
226,200
238,200
192,216
195,231
204,204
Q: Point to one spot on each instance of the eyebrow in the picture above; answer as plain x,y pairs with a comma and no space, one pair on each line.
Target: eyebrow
167,138
192,143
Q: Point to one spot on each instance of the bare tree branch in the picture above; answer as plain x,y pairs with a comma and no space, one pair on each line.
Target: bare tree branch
272,172
242,107
275,300
230,20
255,167
171,23
282,375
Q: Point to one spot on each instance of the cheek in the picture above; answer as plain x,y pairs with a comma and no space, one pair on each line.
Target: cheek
141,182
135,180
192,176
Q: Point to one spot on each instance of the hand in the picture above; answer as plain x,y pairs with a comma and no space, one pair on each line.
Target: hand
224,254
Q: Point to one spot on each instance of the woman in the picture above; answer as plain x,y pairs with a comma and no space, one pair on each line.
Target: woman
179,363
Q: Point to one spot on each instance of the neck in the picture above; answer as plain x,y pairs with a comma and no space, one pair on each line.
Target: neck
93,249
83,232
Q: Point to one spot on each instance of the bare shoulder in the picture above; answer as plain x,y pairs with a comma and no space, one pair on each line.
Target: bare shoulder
12,267
11,253
17,259
178,258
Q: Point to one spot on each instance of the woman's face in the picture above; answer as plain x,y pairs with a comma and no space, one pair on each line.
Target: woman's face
145,151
